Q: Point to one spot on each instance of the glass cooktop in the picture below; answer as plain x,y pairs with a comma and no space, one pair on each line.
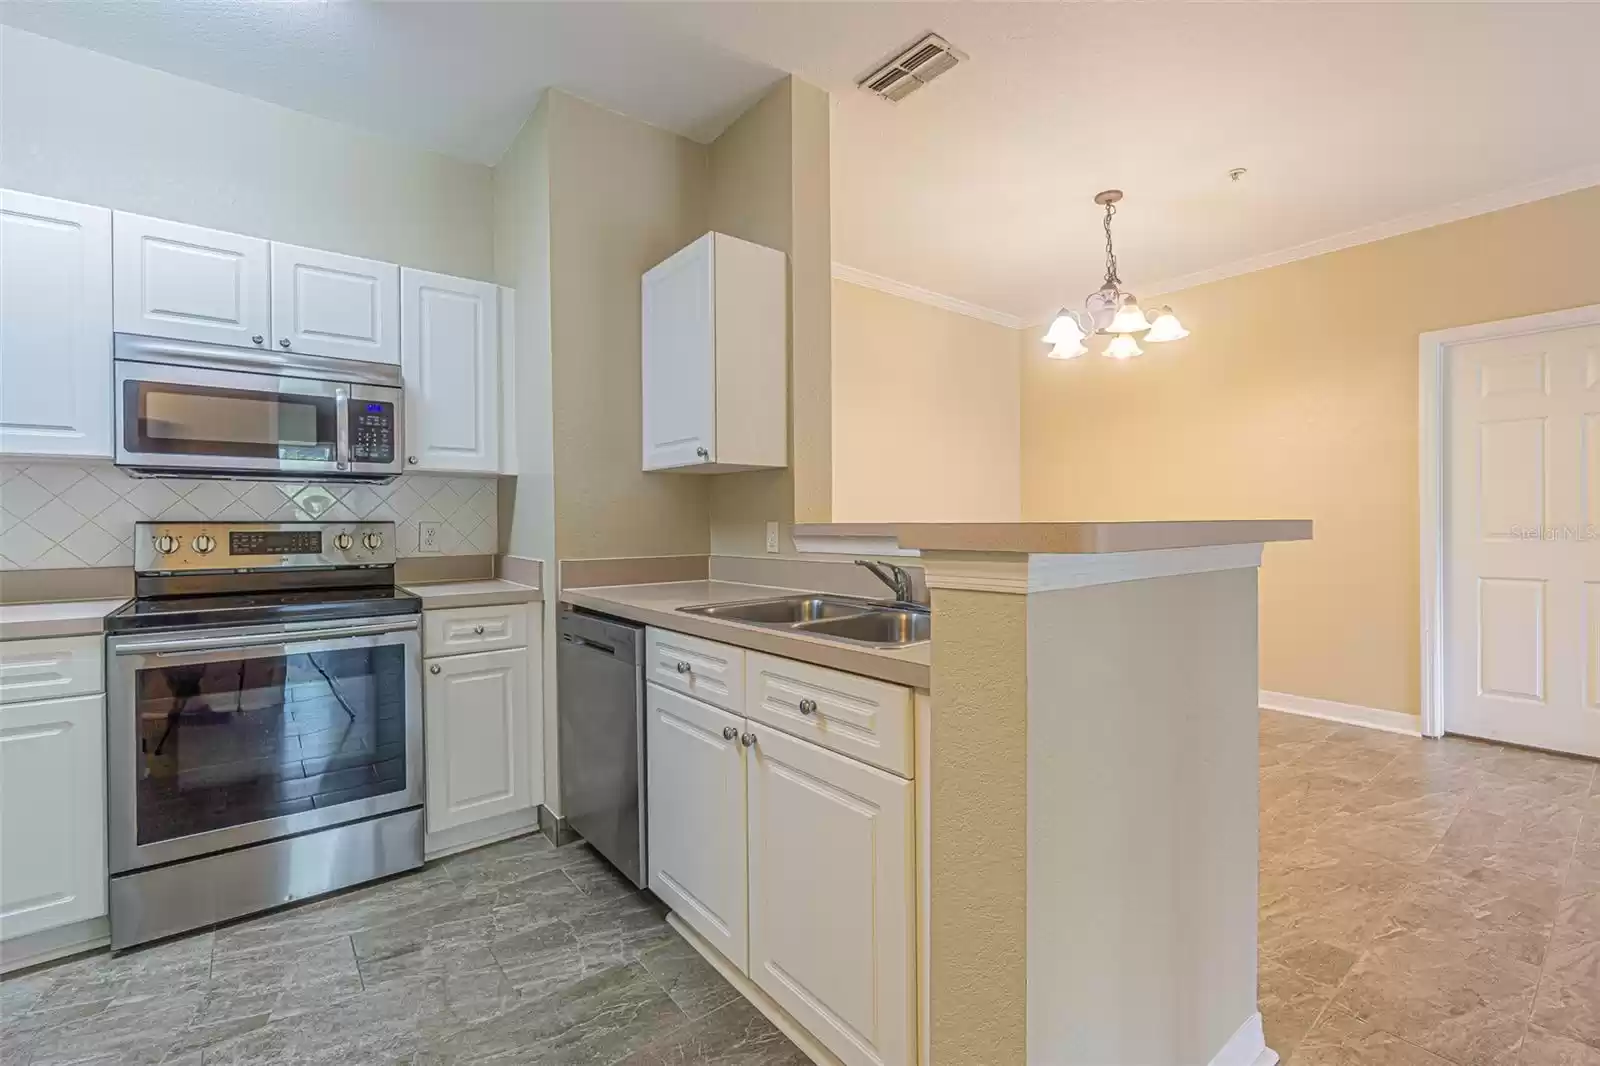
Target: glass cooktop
261,608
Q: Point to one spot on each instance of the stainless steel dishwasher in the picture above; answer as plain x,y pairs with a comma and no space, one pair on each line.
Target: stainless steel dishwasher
600,709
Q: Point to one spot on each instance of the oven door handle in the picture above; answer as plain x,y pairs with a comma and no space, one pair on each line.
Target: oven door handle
255,640
341,401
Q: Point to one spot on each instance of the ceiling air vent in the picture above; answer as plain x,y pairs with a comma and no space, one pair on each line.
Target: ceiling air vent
912,69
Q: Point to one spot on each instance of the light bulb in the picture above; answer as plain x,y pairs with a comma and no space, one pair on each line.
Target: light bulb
1128,319
1067,350
1166,327
1064,331
1123,346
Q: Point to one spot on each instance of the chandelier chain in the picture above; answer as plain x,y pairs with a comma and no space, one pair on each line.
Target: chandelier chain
1111,256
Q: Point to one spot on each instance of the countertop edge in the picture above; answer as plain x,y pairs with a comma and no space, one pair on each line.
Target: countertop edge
487,592
840,657
1067,538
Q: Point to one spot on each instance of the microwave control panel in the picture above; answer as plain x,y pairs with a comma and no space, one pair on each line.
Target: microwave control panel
371,431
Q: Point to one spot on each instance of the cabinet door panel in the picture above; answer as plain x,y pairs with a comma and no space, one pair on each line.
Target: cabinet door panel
477,716
832,912
189,283
679,352
52,814
55,336
696,816
336,305
449,354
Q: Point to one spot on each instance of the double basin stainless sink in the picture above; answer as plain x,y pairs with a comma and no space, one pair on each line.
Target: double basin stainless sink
842,618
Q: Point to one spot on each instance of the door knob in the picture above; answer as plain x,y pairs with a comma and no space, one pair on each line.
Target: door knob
283,342
808,706
729,732
748,740
684,668
434,669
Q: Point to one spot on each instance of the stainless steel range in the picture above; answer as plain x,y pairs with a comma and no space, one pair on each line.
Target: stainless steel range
264,721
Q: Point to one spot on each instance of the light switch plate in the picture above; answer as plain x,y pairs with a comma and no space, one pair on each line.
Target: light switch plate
772,537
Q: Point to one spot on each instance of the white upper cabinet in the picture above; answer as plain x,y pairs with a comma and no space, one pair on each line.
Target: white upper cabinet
715,358
335,305
187,283
55,333
449,357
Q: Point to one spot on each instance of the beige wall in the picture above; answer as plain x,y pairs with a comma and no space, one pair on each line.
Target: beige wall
1297,397
959,377
623,197
82,126
769,175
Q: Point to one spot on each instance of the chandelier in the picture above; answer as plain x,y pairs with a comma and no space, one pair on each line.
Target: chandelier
1110,312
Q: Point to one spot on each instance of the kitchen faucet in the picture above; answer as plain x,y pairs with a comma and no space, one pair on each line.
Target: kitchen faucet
893,576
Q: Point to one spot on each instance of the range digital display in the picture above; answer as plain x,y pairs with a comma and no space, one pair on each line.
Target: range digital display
276,542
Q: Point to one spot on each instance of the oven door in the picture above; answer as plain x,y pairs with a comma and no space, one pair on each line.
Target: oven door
229,737
243,414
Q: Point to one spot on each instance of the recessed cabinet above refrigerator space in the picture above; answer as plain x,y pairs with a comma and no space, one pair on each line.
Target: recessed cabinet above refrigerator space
715,348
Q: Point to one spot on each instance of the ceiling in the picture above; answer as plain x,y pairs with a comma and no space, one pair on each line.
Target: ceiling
979,187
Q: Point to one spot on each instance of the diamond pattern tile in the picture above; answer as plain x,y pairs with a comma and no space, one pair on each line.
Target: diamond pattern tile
62,514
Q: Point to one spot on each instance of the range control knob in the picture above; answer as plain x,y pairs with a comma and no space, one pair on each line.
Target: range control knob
166,544
344,542
203,543
373,541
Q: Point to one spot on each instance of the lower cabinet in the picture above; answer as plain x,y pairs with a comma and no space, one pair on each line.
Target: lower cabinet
52,814
794,861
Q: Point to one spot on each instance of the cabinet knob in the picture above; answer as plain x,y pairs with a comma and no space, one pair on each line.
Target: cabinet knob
283,342
259,339
412,459
684,668
808,706
748,740
434,669
478,630
702,453
729,732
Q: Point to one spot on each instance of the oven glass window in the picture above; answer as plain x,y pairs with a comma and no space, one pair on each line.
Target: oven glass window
230,742
204,420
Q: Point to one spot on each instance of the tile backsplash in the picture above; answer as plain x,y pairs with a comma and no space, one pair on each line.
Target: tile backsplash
55,515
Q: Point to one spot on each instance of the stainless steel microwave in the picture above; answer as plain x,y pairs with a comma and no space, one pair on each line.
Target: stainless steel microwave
211,410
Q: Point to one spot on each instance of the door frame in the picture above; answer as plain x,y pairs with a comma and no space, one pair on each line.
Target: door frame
1432,432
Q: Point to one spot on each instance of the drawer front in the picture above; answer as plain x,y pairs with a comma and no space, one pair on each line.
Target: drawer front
51,667
855,716
470,629
703,669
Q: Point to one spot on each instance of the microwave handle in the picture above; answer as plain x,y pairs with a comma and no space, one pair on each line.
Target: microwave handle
341,401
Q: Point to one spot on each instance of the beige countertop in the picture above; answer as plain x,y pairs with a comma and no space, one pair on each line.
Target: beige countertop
658,604
489,592
74,618
1066,538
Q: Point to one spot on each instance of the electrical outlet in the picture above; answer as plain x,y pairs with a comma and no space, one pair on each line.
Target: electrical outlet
428,536
772,537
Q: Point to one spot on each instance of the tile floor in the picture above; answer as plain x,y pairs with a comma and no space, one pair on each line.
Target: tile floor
1424,903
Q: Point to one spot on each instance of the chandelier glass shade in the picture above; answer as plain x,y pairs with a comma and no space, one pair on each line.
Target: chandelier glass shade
1108,311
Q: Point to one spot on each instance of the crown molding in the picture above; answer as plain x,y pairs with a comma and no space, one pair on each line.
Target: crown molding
867,280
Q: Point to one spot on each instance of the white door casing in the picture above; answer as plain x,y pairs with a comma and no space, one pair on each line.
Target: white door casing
1512,586
476,720
55,334
832,904
449,338
696,784
188,283
340,306
679,365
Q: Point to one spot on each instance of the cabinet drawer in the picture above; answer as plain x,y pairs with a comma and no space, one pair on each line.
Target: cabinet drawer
855,716
50,668
703,669
467,629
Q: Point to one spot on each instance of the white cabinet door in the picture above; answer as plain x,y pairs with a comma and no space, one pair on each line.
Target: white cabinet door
696,816
449,355
679,360
173,280
477,716
336,305
55,333
832,910
52,814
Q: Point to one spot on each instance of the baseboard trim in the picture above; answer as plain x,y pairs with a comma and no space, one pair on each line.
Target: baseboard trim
1347,713
52,945
764,1003
1246,1047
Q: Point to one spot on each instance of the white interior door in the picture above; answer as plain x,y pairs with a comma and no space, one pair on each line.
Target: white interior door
1522,540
